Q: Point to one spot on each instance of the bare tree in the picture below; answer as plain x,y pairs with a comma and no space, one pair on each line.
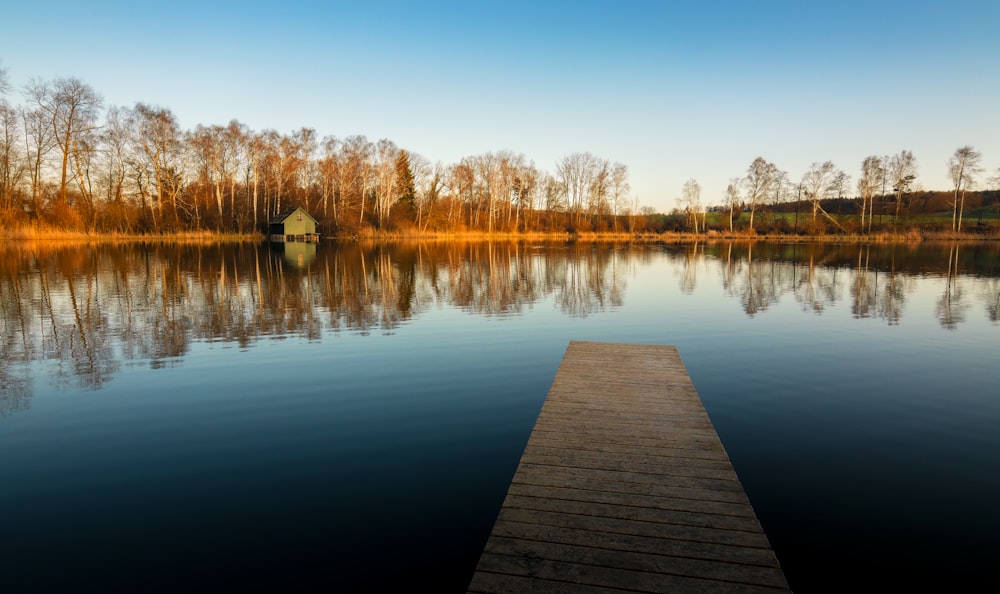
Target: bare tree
995,180
11,163
329,169
619,191
116,153
780,189
428,183
4,81
872,175
38,143
386,190
529,192
158,144
902,171
732,199
839,184
85,151
575,172
963,167
356,172
886,162
816,183
72,108
236,137
208,146
554,195
758,181
691,199
600,185
10,169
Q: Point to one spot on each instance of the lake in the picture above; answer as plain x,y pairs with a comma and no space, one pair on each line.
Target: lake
306,417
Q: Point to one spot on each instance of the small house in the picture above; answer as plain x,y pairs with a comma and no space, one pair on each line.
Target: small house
293,224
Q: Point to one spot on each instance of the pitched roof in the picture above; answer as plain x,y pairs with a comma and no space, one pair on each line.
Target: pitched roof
281,216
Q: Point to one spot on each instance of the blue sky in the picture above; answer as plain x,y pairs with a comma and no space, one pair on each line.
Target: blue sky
675,90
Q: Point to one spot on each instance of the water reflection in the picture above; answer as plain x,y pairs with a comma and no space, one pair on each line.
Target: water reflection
991,294
299,254
951,305
84,310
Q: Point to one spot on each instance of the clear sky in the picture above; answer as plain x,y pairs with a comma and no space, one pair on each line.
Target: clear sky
675,90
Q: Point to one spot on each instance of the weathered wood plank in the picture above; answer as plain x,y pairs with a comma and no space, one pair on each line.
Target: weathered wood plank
693,534
625,482
625,486
678,466
609,494
623,558
665,481
709,457
630,512
640,544
578,575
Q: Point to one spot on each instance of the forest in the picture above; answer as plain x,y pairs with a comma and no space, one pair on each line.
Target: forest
70,164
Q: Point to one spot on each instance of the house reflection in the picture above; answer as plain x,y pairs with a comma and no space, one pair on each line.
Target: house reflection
299,254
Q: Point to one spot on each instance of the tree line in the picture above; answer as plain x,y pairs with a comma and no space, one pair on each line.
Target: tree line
67,162
885,188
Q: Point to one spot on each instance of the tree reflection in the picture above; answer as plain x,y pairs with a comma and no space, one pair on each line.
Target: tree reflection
585,281
951,305
892,296
86,310
991,295
755,282
816,281
864,291
694,254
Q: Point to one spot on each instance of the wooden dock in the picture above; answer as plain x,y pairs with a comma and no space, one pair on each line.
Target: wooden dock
625,486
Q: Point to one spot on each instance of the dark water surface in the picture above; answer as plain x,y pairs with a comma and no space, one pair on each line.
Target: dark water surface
205,418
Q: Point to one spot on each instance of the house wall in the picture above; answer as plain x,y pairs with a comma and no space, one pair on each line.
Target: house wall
297,223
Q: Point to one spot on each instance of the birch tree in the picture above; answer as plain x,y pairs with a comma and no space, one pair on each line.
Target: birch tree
963,167
816,182
732,199
872,175
760,177
386,180
209,148
600,185
575,172
356,172
691,199
902,172
619,191
159,144
329,169
780,188
428,185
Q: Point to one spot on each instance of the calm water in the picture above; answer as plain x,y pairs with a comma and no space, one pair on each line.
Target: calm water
347,418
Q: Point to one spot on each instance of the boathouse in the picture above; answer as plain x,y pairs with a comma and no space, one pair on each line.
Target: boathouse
293,224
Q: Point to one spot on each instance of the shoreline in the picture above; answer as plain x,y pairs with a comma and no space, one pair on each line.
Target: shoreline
911,236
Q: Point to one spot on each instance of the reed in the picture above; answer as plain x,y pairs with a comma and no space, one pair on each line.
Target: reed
33,233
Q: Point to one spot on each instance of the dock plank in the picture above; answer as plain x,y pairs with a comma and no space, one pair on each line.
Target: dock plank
624,485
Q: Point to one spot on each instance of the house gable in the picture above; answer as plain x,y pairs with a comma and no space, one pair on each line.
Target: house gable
293,221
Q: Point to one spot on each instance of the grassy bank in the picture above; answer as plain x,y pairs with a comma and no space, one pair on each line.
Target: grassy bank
45,234
909,236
